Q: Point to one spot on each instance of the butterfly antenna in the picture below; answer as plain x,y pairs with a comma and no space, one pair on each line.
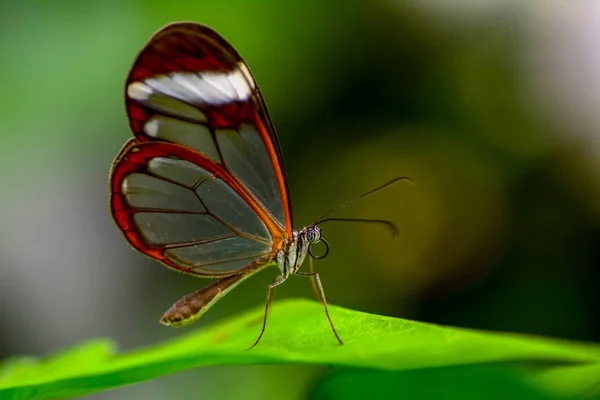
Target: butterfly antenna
348,202
388,224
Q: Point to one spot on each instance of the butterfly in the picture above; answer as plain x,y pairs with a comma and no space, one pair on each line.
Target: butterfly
202,185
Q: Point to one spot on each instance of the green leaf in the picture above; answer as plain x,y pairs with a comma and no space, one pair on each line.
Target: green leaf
461,382
581,381
297,333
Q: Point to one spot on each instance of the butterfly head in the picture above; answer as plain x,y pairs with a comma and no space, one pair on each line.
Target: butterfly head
312,235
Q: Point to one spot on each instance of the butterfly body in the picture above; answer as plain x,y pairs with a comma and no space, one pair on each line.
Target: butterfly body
289,259
293,251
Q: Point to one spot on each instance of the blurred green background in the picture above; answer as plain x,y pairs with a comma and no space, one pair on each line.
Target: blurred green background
491,106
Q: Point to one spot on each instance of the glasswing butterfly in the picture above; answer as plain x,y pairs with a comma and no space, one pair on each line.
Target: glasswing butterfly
202,185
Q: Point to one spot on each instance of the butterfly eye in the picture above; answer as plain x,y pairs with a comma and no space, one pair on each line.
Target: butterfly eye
313,234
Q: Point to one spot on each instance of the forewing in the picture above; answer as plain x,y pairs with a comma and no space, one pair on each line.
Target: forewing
191,87
185,210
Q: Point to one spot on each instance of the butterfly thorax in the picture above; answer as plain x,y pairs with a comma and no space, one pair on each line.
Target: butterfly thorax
293,251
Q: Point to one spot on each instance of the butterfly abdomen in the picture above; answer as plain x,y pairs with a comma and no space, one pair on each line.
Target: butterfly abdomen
191,307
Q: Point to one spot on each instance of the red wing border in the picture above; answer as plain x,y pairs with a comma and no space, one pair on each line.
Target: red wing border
188,47
135,160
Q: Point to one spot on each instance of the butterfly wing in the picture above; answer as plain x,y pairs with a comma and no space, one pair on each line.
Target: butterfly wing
202,187
186,211
190,86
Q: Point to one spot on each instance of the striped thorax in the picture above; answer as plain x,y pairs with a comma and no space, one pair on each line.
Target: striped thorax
294,250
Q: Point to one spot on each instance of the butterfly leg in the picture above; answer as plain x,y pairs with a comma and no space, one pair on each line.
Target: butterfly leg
278,281
312,279
315,277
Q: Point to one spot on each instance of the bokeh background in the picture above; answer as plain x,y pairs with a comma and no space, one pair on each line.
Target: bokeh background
492,106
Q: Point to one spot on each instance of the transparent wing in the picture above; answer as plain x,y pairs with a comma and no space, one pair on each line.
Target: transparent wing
190,86
182,208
